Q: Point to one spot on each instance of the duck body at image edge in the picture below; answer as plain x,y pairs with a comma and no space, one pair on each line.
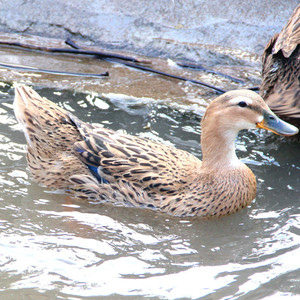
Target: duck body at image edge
280,86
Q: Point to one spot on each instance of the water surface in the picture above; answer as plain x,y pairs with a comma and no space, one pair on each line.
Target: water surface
53,246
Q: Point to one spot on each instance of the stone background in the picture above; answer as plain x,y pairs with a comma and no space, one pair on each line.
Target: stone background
150,27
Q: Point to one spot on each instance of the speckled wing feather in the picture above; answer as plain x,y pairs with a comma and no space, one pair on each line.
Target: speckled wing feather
95,162
155,167
289,37
288,106
50,136
280,85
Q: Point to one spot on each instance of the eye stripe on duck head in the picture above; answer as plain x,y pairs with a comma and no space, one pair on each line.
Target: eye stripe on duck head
245,102
252,100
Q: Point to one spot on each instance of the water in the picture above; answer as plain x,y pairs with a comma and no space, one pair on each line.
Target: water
53,246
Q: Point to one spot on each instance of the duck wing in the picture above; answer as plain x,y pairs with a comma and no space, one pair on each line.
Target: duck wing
117,157
289,37
280,86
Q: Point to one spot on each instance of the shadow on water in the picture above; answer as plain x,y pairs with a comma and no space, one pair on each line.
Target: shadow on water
55,246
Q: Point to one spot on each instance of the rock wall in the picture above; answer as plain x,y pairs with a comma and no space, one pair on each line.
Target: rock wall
150,27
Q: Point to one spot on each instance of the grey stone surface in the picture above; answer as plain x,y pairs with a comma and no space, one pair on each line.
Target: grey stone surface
151,27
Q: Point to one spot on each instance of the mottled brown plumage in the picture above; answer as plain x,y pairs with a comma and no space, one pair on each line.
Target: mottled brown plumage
101,164
280,86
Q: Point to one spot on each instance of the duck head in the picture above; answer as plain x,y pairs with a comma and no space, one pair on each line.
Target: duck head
226,116
244,109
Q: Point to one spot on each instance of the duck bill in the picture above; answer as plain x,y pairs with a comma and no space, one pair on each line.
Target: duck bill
273,123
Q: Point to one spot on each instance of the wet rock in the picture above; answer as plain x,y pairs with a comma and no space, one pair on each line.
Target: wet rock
165,28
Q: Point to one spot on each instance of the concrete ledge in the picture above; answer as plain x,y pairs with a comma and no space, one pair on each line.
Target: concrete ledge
149,27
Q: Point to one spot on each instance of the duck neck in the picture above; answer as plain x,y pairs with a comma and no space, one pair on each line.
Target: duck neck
218,148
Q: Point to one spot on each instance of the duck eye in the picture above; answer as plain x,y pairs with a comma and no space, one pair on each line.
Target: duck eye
242,104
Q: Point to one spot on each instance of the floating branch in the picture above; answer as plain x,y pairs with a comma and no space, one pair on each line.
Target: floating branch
125,60
105,55
31,69
201,68
147,69
99,54
254,88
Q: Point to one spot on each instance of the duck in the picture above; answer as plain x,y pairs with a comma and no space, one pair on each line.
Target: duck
280,85
99,164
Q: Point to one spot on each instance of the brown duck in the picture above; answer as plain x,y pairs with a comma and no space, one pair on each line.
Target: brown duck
280,85
104,165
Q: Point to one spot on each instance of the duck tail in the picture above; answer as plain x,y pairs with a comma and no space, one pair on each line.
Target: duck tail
50,135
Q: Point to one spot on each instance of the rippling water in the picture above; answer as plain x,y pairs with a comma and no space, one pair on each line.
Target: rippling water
56,247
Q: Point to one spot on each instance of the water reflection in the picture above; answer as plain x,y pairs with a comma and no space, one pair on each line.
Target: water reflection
54,246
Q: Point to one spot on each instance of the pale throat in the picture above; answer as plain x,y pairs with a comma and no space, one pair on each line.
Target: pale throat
218,149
